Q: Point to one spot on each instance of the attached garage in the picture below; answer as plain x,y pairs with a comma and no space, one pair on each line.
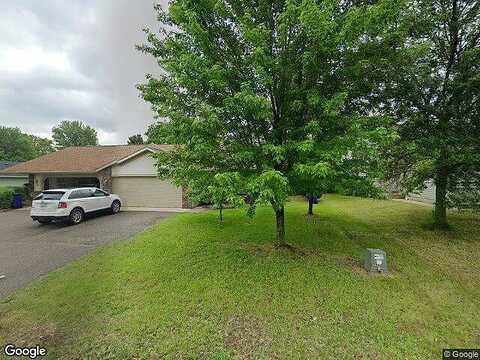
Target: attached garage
135,180
148,192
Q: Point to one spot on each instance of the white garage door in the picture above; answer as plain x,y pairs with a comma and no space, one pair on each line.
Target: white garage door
147,192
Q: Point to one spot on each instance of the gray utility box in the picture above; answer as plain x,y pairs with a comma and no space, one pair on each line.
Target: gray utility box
376,261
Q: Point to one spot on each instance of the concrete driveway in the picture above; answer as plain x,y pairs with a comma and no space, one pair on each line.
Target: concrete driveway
29,250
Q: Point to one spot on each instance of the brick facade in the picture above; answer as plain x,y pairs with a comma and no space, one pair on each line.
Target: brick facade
105,178
186,202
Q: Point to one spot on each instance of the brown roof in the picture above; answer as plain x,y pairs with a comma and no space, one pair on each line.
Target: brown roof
81,159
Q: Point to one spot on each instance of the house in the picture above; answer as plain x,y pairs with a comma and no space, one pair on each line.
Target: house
15,180
126,170
427,195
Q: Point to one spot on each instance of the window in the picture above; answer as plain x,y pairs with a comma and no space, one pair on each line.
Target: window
80,194
50,195
99,193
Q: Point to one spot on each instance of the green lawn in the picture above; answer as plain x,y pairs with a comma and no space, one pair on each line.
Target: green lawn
193,288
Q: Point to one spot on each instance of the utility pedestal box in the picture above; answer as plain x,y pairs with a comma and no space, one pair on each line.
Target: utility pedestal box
376,261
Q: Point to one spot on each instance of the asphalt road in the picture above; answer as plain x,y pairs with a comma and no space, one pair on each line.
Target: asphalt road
28,250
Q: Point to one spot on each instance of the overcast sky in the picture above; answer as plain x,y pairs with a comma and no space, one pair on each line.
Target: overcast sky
75,60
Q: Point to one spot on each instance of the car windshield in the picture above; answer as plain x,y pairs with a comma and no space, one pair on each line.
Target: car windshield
50,195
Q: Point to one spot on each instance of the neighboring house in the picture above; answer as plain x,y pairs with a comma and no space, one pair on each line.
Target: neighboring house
427,195
126,170
16,180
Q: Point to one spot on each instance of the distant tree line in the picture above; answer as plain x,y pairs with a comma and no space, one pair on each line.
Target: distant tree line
17,146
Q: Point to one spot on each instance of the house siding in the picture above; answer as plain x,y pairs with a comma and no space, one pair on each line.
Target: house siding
426,196
141,165
136,182
13,181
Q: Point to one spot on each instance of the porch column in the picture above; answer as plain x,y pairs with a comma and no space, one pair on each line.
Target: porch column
31,185
105,178
38,182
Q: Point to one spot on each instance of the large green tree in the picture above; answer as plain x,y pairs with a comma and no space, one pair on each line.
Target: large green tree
259,89
432,87
18,146
74,133
15,145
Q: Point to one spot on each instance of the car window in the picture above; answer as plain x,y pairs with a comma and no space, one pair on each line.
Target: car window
50,195
74,195
99,193
80,194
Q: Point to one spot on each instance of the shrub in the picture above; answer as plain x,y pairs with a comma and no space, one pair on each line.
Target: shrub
361,188
465,199
6,195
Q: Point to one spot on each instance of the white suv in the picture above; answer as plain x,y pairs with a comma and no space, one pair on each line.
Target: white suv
72,204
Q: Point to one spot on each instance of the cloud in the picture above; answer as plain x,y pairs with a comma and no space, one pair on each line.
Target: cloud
75,60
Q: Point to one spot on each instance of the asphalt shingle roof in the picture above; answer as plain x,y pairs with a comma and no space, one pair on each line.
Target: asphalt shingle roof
81,159
6,164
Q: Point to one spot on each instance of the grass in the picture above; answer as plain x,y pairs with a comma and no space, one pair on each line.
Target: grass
190,287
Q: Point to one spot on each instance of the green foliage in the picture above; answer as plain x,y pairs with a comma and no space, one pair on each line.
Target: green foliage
466,195
431,87
73,133
360,187
464,200
6,196
263,89
311,179
158,134
135,140
18,146
15,145
41,145
270,187
23,190
224,191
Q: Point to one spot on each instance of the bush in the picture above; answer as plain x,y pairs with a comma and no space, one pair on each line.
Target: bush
361,188
464,199
6,195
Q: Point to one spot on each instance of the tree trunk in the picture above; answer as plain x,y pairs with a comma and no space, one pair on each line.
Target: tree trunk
310,205
440,212
280,216
221,213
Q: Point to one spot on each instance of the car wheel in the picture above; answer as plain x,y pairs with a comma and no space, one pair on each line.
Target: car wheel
115,208
76,216
44,221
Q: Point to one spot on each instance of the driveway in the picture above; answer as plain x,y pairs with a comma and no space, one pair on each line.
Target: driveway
28,250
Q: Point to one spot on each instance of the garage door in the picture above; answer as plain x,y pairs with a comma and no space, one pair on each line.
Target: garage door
147,192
